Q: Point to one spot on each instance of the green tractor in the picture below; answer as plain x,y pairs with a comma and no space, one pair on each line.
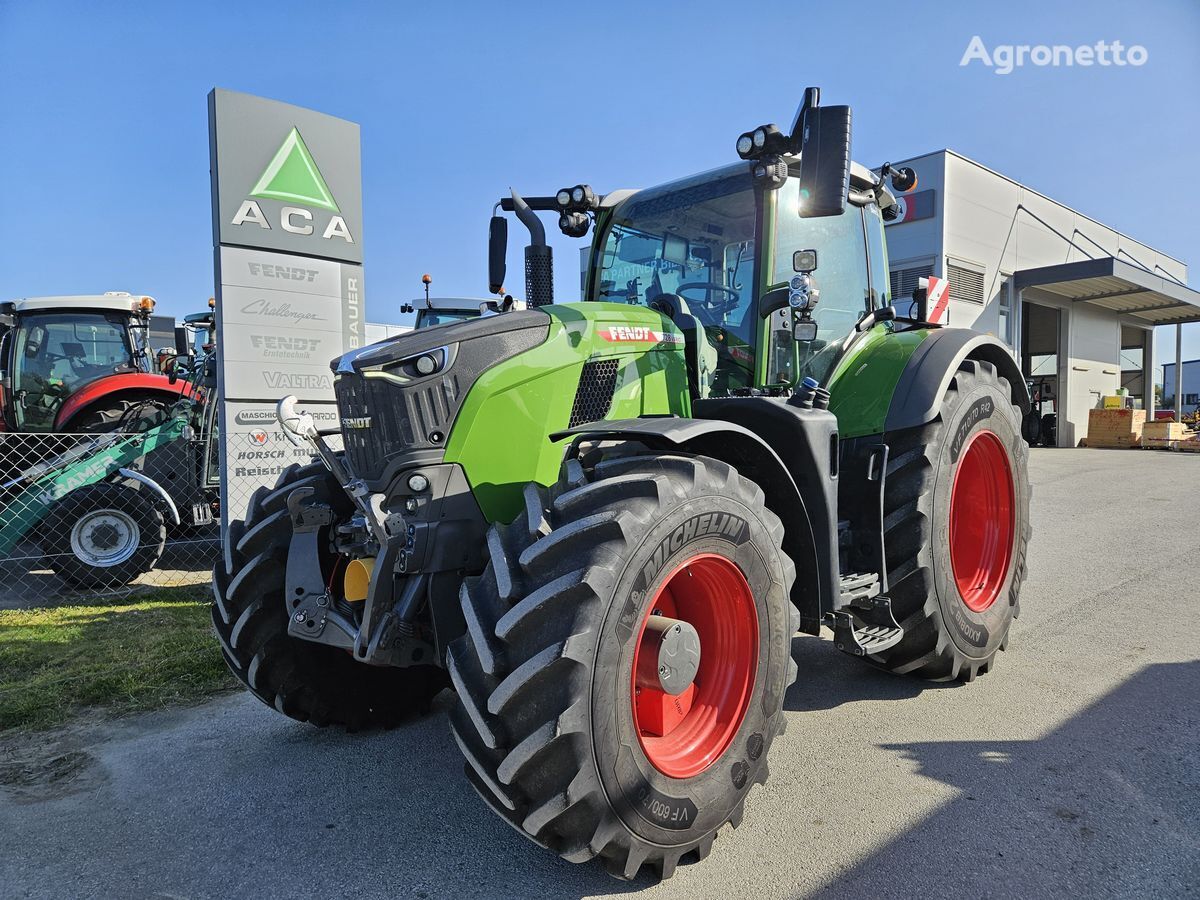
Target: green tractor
602,523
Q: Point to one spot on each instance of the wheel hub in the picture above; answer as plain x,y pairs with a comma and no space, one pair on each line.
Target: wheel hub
668,655
694,665
105,537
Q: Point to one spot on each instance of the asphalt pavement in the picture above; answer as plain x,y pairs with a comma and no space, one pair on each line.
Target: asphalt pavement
1072,769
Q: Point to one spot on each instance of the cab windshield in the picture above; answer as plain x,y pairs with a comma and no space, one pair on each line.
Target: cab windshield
690,241
427,318
56,354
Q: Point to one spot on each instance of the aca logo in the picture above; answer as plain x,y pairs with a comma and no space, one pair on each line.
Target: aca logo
292,176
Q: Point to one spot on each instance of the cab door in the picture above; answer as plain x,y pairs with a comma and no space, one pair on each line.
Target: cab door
6,423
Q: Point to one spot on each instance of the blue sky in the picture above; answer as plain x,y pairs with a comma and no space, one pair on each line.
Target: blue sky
105,150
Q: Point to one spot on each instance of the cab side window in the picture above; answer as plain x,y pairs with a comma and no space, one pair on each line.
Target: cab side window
881,291
840,242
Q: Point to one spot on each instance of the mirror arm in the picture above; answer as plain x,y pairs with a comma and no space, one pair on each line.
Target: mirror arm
873,317
773,301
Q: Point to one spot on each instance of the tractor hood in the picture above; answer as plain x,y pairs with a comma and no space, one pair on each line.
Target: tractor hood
398,399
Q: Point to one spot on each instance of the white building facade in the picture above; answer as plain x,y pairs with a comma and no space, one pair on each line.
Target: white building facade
1075,299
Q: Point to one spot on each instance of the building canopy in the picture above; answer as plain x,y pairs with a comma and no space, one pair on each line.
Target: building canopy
1117,286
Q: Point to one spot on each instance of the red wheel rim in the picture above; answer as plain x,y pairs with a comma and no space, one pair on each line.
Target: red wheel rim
683,735
982,521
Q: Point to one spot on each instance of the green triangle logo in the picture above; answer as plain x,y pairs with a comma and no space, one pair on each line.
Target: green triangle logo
292,176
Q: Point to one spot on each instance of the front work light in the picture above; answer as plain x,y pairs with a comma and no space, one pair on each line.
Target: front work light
745,145
574,224
772,171
580,197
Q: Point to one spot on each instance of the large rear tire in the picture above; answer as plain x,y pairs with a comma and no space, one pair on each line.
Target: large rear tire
562,736
306,681
127,412
956,521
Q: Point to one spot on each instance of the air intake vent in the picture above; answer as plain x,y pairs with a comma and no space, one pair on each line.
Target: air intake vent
965,284
593,397
904,281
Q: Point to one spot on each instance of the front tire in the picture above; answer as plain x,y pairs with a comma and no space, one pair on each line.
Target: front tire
104,535
956,522
563,737
306,681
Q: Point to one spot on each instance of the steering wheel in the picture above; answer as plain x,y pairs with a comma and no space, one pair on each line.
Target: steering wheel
718,306
47,387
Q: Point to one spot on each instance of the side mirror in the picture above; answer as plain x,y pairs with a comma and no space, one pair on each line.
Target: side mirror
824,161
183,347
497,253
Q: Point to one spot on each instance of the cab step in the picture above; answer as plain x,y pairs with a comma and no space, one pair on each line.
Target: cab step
858,587
863,624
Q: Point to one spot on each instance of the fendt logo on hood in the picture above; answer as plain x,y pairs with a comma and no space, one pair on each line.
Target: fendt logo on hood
293,177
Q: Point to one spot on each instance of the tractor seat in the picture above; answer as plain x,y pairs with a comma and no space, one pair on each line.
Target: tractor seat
699,350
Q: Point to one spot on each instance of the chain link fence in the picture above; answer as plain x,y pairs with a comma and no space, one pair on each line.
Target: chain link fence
86,515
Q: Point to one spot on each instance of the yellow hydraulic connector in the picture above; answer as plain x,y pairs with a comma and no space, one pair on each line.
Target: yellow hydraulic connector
358,578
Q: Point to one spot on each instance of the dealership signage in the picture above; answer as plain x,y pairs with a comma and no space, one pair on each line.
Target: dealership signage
287,236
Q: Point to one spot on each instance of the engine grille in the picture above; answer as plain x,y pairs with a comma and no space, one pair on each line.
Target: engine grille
401,418
593,397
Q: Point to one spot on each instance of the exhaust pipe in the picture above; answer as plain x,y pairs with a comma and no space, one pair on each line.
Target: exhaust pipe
539,257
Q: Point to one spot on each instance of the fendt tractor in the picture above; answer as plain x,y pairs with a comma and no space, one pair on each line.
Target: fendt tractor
602,523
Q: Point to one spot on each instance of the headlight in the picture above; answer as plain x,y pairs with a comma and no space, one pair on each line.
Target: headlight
798,299
577,194
563,197
745,145
798,283
760,138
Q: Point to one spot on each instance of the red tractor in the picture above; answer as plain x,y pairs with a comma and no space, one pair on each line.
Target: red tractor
78,364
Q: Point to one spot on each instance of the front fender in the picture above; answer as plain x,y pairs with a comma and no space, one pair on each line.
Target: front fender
757,460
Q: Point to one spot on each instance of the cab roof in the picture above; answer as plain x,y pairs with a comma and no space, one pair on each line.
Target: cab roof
464,303
119,301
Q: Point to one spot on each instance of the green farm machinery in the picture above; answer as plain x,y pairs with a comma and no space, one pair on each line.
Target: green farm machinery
602,523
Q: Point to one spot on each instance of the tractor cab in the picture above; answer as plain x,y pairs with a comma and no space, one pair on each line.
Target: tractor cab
772,268
704,249
60,357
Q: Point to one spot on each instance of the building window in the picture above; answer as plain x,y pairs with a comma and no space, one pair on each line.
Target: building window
965,283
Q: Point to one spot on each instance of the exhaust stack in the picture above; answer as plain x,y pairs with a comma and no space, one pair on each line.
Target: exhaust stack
539,257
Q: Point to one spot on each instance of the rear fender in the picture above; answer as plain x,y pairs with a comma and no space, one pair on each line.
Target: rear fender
122,386
755,459
925,379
